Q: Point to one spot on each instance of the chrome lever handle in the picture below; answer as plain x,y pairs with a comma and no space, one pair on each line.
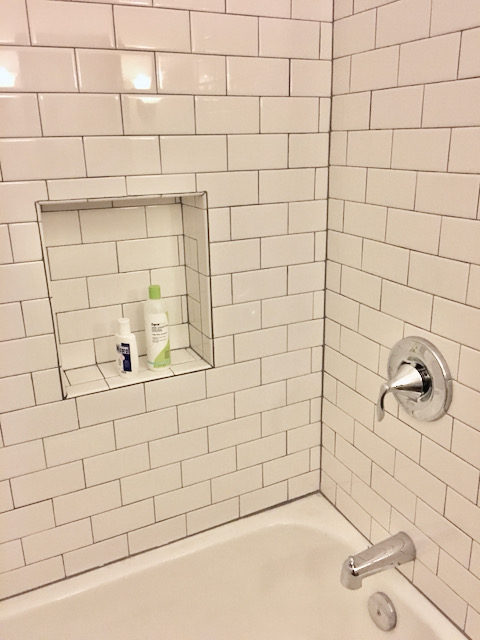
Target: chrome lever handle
408,380
384,389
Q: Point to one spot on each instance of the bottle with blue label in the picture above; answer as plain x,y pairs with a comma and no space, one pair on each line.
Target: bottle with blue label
126,349
157,332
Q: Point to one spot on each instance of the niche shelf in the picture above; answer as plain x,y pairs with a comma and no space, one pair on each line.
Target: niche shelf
100,256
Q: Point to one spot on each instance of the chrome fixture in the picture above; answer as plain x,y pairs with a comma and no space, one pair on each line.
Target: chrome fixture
389,553
419,378
382,611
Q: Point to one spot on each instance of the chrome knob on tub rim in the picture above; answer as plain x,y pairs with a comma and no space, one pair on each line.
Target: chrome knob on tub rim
419,378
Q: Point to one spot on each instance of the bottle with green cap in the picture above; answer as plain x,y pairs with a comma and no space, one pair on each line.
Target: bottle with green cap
156,330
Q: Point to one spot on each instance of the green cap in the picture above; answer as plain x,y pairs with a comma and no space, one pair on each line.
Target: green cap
154,291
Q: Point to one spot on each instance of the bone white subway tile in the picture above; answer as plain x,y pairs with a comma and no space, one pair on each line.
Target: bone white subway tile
307,216
255,344
444,19
469,54
354,34
446,278
95,555
391,188
70,115
102,225
452,104
227,114
32,158
405,21
341,75
348,183
197,5
82,260
118,521
285,250
21,459
289,115
446,535
311,77
14,23
462,581
286,185
257,151
308,150
369,148
145,28
432,148
145,427
25,241
158,114
308,10
259,220
289,38
257,76
442,595
33,576
407,304
11,556
29,69
256,285
277,8
459,239
62,24
237,483
37,317
189,154
122,155
157,534
288,365
375,69
19,115
447,193
17,200
263,498
115,71
463,155
17,354
42,485
86,188
230,188
204,413
16,393
148,483
224,34
47,544
351,111
179,73
261,398
397,108
211,516
429,60
306,277
417,231
361,286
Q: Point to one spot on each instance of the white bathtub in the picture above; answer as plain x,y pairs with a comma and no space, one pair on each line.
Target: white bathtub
273,576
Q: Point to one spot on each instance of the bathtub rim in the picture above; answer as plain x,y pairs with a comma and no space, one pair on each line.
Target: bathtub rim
313,512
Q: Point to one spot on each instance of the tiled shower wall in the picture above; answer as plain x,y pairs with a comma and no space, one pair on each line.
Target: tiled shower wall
404,259
106,99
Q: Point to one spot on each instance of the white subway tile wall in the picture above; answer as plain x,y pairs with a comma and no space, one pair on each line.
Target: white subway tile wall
403,250
112,99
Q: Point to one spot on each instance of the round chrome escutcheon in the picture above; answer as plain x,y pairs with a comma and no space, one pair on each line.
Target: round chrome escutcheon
420,352
382,611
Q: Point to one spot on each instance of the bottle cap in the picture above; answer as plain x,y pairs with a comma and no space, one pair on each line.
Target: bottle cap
154,291
123,326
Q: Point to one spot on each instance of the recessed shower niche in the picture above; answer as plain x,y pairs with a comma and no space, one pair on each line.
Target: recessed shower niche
100,257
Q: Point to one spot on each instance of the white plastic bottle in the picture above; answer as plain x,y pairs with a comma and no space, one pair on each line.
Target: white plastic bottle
157,332
126,348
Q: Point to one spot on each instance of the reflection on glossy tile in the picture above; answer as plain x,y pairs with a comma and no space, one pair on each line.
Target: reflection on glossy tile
116,71
30,69
13,22
192,74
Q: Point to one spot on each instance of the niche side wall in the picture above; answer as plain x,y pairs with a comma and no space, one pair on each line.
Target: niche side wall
117,99
404,259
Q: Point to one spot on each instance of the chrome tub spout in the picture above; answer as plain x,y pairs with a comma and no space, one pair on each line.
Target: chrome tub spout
391,552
